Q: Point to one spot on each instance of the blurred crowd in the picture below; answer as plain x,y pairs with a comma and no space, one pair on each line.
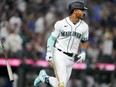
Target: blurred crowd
25,26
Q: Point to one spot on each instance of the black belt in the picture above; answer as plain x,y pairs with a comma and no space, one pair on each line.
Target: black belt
69,54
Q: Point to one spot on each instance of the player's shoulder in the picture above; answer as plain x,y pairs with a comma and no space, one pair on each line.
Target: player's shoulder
84,23
60,22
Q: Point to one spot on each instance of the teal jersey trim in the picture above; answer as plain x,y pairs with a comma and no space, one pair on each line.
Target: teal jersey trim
50,43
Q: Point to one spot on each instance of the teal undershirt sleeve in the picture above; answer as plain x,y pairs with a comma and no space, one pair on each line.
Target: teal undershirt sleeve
50,43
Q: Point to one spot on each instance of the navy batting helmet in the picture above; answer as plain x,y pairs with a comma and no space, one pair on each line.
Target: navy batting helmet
76,5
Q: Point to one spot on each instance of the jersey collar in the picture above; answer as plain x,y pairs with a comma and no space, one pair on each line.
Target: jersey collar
70,22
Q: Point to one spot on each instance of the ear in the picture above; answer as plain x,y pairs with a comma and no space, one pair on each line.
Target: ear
75,10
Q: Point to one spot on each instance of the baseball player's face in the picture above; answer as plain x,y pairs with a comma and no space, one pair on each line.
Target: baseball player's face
80,13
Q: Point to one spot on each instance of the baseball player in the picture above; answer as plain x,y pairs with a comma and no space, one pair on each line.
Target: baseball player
63,44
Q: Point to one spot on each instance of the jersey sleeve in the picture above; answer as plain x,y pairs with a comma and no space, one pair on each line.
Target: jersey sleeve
57,29
85,35
50,43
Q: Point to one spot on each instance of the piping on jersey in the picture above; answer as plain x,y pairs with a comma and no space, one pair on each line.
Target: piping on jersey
74,37
71,36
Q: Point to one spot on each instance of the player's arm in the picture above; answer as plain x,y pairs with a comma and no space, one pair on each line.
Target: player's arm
84,46
51,41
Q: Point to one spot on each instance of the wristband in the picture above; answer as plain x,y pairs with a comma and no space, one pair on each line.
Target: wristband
83,50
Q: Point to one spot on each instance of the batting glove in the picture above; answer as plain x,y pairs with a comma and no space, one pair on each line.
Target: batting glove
81,57
49,56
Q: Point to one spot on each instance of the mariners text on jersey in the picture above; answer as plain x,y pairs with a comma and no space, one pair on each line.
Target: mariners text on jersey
75,34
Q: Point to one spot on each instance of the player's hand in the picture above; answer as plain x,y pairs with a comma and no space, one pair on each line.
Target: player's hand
81,57
49,56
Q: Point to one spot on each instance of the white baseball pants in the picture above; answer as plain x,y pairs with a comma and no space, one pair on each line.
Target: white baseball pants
63,65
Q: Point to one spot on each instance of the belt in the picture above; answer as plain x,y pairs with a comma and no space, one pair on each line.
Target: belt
68,54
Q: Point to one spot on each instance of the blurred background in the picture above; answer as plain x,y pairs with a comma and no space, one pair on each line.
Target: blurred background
25,26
